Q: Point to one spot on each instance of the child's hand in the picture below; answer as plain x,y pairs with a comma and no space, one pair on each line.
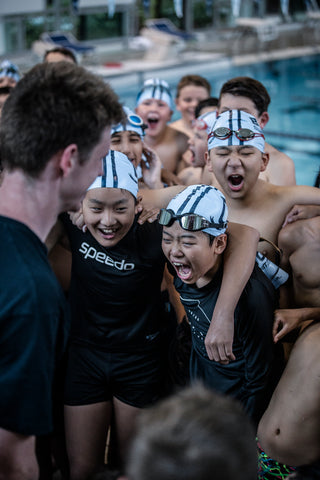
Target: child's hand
77,219
151,168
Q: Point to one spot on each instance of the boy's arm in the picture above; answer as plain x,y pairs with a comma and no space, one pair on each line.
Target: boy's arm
159,198
239,259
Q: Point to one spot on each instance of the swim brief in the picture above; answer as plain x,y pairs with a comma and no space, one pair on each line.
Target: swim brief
269,469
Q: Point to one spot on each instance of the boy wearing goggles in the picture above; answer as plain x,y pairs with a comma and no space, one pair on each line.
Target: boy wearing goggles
249,95
155,106
237,156
194,239
128,137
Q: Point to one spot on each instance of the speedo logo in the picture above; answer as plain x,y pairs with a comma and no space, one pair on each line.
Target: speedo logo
101,257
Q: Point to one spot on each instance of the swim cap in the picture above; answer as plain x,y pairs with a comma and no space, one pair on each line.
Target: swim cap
9,69
155,88
236,120
118,172
203,200
131,123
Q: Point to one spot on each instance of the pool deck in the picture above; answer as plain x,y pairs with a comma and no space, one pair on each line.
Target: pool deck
235,46
182,63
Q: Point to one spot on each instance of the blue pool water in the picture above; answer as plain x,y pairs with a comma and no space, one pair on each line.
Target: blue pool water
294,88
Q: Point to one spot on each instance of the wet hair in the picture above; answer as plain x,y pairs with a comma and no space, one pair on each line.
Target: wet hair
195,80
250,88
64,51
207,102
52,106
194,434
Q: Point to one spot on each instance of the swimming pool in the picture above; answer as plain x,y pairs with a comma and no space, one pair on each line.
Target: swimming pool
293,85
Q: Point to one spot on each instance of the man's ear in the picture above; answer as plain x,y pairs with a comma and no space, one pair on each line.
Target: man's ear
264,162
263,119
68,159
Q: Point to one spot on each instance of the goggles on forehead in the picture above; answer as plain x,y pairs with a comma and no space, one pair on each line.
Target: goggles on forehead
188,221
243,134
199,123
135,120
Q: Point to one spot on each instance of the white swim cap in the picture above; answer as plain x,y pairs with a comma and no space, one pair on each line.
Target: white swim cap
231,126
155,88
205,201
9,69
132,123
118,172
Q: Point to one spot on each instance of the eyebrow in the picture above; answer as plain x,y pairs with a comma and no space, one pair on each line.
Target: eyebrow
184,235
94,201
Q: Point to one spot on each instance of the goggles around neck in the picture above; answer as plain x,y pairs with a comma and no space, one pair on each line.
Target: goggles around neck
188,221
243,134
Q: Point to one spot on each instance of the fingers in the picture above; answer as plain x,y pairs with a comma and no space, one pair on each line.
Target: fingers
221,353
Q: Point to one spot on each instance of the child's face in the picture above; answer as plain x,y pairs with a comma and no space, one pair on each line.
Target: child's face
237,167
188,99
129,143
154,113
108,214
190,253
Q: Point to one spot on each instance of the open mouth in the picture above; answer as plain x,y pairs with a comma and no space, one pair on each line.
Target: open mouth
183,271
108,233
152,121
235,182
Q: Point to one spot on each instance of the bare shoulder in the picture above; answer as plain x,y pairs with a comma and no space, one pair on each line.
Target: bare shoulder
190,175
281,168
179,137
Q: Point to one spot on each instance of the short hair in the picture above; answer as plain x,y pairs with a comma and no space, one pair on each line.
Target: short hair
195,80
64,51
207,102
250,88
53,106
194,434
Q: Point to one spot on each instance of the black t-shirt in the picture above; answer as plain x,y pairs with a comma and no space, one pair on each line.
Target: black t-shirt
252,377
33,330
115,292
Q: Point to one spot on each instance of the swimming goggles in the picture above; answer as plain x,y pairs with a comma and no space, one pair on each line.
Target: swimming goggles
135,120
188,221
243,134
199,123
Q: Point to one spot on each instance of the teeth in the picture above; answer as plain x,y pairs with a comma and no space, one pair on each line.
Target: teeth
105,230
178,264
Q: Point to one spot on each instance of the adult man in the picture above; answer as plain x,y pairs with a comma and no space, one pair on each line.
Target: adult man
249,95
55,128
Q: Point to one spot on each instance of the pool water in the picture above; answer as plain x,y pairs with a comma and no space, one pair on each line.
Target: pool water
294,88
